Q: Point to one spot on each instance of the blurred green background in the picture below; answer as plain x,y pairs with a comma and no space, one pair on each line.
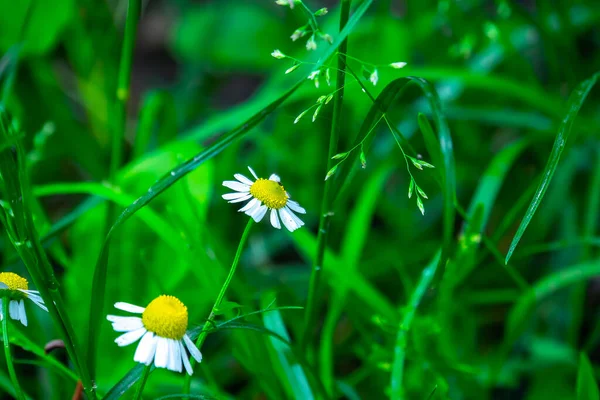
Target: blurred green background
503,71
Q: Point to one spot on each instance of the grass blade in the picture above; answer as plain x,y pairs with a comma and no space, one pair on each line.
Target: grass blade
404,327
574,104
587,388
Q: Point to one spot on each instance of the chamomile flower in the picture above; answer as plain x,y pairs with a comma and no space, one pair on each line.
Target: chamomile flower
265,195
162,329
15,289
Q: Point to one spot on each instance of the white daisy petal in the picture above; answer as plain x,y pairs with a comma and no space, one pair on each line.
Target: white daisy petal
254,209
184,358
287,220
129,307
13,309
3,285
161,358
237,186
125,324
253,173
39,302
275,219
174,356
192,348
275,178
240,199
1,312
293,205
259,213
249,205
132,336
22,315
243,179
145,351
234,196
297,220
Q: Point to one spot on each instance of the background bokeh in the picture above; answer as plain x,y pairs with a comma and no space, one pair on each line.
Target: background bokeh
483,330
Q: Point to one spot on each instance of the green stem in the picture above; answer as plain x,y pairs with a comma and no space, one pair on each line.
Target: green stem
213,311
140,388
118,136
122,94
9,360
326,203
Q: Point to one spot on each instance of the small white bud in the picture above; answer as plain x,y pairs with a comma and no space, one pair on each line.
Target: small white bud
316,113
298,33
300,116
398,65
374,78
314,74
327,78
311,44
292,68
277,54
321,12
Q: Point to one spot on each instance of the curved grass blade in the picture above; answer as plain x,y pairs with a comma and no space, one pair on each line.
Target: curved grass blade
99,278
574,104
587,388
481,205
292,373
404,327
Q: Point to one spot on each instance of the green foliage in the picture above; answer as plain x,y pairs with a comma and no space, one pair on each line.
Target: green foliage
447,155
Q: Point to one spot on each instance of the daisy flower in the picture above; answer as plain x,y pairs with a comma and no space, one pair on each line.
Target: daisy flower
15,289
162,329
265,195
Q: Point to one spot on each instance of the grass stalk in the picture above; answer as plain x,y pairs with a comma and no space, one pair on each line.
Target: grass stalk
118,136
9,361
213,312
326,203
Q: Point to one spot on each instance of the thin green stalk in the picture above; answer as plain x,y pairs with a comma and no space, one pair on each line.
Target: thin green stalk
213,312
140,388
326,203
9,360
118,135
404,327
122,94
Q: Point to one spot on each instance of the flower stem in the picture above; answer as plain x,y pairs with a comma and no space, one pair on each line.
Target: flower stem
140,388
213,312
9,360
326,203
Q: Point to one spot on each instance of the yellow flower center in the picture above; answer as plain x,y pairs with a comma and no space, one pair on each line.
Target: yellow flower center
167,317
15,283
271,193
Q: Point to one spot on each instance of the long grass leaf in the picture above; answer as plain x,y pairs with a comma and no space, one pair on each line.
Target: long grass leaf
402,336
587,387
574,104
